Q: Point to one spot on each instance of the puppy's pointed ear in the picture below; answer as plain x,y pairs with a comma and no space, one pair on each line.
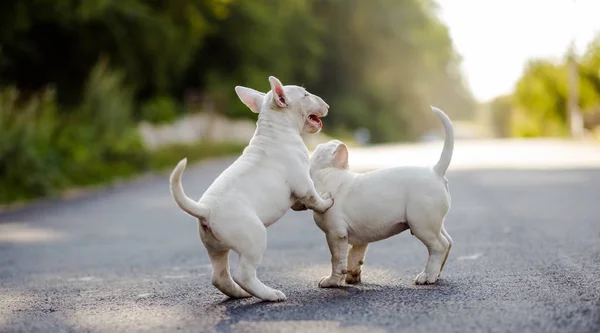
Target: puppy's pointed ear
279,97
252,98
340,157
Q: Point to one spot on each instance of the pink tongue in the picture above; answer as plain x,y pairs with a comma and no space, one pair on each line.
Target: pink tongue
317,119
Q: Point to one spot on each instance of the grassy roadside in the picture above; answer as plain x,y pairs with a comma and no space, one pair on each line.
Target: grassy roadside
158,161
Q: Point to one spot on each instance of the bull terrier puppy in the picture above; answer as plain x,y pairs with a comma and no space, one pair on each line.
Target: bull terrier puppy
379,204
258,188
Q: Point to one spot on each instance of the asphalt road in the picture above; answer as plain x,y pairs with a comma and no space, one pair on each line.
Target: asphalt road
526,258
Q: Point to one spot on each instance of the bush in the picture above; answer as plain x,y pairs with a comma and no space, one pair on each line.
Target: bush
101,139
42,151
29,162
160,109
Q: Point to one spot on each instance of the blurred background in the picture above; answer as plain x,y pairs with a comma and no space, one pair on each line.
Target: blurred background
97,90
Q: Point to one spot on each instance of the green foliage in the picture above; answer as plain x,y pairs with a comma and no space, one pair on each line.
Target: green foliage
541,95
100,140
259,38
42,152
543,90
29,165
589,70
60,41
501,109
378,63
160,109
386,62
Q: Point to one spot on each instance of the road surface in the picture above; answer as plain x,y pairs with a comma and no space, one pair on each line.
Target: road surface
526,257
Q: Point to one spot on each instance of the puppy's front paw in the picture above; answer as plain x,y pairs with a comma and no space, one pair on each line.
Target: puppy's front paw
331,281
424,278
325,204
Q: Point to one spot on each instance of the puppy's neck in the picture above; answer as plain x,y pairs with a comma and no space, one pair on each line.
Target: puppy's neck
332,179
275,125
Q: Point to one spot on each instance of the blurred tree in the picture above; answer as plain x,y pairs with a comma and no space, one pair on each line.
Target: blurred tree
501,109
76,75
258,39
540,100
540,95
379,63
590,76
386,62
59,41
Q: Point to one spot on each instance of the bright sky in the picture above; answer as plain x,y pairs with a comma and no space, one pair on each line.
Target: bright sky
497,37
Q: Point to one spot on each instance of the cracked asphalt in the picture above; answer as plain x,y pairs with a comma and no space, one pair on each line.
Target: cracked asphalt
526,258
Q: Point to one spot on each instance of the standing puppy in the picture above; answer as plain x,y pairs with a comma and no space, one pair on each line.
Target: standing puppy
258,188
376,205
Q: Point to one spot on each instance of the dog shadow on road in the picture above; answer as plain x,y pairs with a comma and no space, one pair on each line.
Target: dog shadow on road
343,307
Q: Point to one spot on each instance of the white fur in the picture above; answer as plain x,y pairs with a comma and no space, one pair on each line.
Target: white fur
376,205
258,188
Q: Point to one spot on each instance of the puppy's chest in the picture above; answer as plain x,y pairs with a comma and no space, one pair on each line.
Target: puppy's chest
272,208
273,216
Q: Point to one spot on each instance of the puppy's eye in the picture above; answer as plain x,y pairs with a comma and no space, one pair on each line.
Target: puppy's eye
306,94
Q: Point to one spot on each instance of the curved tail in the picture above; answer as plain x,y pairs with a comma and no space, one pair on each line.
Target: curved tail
183,201
442,165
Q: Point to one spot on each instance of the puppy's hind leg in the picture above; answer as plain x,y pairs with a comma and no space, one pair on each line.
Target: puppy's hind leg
449,239
356,259
250,243
221,278
428,232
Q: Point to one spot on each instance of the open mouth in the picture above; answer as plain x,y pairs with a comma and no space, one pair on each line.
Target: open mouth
315,120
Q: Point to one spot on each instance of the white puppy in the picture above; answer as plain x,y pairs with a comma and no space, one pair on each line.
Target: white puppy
376,205
258,188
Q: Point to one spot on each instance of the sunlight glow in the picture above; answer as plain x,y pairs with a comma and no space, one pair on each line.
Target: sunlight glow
19,232
497,38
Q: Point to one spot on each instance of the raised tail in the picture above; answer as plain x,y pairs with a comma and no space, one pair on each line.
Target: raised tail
184,202
442,165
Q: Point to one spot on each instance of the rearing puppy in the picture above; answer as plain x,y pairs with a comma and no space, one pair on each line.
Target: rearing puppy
258,188
379,204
